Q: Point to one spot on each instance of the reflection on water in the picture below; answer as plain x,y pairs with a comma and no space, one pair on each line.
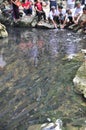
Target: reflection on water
2,61
35,42
36,82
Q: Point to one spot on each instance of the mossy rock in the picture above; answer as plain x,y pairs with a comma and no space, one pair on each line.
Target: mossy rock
80,80
3,32
34,127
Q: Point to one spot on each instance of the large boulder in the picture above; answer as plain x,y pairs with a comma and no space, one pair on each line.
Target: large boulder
3,32
80,80
25,21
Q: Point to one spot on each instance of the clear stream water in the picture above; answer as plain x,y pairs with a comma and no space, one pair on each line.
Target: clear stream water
36,82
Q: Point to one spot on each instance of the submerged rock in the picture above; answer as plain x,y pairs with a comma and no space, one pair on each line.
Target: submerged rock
77,28
52,126
71,56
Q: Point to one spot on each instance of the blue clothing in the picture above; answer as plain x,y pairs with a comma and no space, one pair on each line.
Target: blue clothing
53,3
28,11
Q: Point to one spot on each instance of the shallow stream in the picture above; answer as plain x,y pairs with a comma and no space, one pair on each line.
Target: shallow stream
37,80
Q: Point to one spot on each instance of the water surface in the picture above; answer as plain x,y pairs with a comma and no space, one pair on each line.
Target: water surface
36,82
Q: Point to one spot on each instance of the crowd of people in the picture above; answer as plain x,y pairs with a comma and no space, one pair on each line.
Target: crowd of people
74,14
74,11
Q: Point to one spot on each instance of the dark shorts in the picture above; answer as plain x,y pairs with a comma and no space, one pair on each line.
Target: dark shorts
70,18
28,11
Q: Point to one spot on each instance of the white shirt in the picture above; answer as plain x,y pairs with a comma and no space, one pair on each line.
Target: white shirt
70,1
52,14
78,11
63,12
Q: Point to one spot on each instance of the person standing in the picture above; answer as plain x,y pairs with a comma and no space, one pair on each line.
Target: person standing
15,5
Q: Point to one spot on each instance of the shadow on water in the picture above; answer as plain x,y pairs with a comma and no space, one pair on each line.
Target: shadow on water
36,82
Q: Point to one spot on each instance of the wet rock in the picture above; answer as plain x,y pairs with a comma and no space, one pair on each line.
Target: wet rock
36,127
71,56
70,127
46,25
52,126
77,28
31,21
3,32
80,80
48,126
25,21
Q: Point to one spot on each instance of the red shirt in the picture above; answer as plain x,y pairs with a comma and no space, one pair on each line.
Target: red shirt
26,4
39,6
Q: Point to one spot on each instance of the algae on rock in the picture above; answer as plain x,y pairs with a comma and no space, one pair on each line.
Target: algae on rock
3,32
80,80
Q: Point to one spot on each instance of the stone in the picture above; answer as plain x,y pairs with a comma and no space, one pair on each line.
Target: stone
80,80
46,25
34,22
71,56
3,32
53,126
